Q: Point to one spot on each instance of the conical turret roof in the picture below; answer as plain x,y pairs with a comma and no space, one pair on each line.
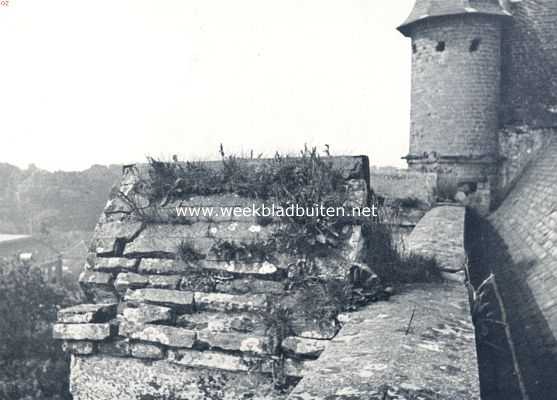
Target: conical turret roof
424,9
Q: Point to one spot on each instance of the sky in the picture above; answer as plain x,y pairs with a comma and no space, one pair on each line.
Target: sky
113,81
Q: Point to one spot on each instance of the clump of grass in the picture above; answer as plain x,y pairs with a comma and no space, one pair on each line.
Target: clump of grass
188,253
393,265
253,251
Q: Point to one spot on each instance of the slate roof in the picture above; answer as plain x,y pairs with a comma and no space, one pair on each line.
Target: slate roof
424,9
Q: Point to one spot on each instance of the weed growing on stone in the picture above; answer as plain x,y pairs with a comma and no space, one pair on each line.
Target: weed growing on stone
188,253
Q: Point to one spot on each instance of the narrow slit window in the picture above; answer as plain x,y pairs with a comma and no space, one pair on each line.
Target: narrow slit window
414,48
440,46
475,45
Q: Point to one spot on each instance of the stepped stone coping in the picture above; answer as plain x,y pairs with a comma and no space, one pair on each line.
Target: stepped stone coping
115,264
378,349
81,331
85,313
162,334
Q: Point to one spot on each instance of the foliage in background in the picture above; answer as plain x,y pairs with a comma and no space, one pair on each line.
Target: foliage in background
32,364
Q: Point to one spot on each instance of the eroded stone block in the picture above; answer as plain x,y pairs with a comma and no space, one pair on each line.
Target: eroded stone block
166,335
115,264
81,331
86,313
161,296
147,313
232,341
230,302
147,351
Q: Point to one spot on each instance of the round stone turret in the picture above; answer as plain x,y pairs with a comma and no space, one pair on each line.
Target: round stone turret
456,63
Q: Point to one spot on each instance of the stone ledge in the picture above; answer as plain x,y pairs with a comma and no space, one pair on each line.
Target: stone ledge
95,332
86,313
232,341
161,334
115,264
230,302
161,296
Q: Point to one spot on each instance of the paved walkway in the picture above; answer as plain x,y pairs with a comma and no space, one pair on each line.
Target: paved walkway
380,355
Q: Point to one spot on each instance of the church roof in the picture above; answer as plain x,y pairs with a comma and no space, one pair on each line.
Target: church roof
424,9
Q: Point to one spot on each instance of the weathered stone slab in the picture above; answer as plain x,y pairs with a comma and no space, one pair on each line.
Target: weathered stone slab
303,347
214,360
146,351
161,266
230,302
115,264
162,334
251,323
95,278
151,245
161,296
86,313
237,267
249,285
82,347
107,235
111,378
130,280
118,348
164,281
81,331
223,230
233,341
147,313
378,349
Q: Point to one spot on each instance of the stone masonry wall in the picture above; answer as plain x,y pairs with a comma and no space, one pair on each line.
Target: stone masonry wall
529,67
159,327
518,146
518,243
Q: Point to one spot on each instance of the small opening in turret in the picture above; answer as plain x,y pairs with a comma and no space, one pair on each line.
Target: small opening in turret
475,45
440,46
414,48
